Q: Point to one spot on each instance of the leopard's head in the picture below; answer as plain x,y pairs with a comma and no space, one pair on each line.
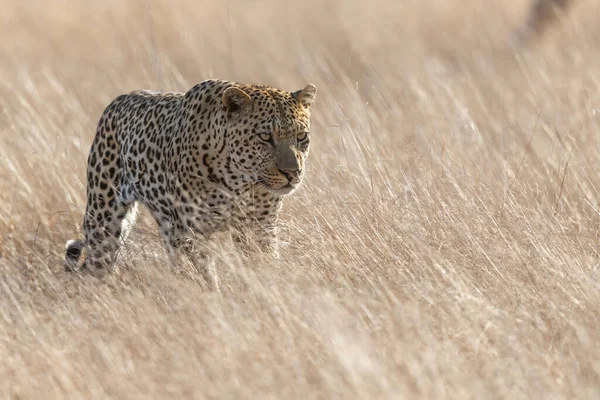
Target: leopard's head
268,134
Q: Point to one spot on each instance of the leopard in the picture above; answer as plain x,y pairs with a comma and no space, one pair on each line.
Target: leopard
221,156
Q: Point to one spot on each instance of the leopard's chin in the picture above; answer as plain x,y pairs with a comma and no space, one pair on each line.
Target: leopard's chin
287,189
283,190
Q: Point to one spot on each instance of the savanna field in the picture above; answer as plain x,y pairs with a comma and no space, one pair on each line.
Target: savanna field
445,243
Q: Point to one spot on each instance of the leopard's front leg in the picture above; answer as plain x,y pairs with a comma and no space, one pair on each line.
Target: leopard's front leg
255,222
183,243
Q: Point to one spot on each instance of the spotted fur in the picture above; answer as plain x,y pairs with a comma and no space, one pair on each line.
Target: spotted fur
220,156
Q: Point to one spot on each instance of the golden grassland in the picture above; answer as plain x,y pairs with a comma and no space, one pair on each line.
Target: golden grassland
444,245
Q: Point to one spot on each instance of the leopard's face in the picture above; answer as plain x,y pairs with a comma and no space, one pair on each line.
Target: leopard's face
268,137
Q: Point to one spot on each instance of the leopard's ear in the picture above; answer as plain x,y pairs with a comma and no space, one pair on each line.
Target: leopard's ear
236,100
306,96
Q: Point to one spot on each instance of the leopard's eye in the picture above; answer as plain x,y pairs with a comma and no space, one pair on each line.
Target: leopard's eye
265,137
302,136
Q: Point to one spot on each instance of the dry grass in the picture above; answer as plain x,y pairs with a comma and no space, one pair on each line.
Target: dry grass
445,244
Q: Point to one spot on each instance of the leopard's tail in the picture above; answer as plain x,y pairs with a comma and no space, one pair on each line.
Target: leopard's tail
73,256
